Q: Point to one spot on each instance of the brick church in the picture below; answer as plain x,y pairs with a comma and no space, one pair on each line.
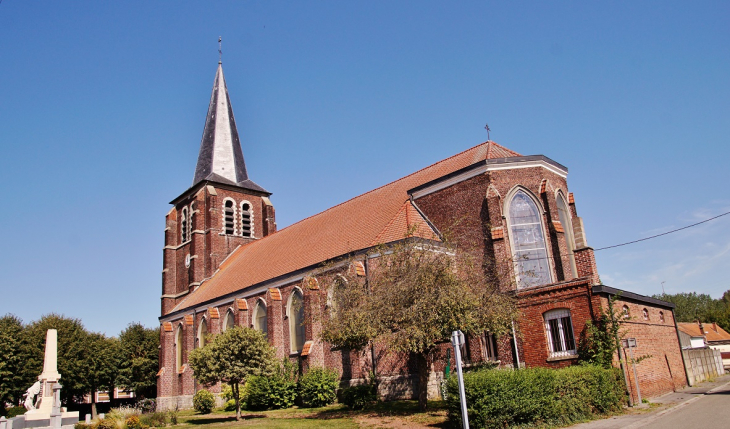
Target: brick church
225,264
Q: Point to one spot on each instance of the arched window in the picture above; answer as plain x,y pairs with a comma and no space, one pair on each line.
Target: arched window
202,332
559,329
645,314
528,241
296,321
229,322
335,293
564,215
260,319
228,213
625,311
661,316
179,349
246,219
184,224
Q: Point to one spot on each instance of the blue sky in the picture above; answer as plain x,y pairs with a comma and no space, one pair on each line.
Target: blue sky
102,106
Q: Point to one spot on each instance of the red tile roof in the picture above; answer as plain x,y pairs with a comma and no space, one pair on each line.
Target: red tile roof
380,216
712,331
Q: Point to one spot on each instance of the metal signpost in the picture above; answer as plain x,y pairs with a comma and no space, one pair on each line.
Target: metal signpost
457,339
630,343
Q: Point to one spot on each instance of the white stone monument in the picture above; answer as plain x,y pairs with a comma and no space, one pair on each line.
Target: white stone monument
45,411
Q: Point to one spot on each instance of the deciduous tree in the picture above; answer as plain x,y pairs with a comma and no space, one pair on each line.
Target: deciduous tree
11,360
139,360
415,295
232,357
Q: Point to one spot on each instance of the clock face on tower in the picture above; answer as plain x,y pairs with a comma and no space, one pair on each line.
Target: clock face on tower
187,260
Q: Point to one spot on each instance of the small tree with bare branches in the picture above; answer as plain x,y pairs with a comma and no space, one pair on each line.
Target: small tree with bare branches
415,294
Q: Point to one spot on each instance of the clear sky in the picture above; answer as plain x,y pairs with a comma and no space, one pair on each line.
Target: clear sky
102,106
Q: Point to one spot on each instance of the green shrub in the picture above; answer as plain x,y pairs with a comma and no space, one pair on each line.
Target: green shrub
203,402
81,425
133,422
359,397
275,391
230,405
106,424
318,387
157,419
503,398
263,393
147,405
14,411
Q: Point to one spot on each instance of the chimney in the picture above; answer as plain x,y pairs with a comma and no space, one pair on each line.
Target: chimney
702,327
714,327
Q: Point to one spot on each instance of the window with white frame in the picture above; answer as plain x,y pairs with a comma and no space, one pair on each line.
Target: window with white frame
260,318
296,321
246,219
559,329
228,217
528,241
564,215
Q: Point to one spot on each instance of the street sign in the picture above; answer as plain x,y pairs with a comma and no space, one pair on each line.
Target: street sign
628,343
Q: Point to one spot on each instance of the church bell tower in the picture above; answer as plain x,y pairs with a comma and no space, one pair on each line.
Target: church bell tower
222,210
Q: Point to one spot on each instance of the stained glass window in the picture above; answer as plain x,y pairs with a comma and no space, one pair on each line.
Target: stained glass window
528,242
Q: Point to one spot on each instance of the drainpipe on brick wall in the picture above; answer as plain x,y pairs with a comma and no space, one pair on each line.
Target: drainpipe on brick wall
621,363
514,340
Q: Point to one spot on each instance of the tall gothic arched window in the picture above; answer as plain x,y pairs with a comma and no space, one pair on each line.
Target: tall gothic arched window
202,332
228,216
229,322
179,349
260,318
564,215
528,241
296,321
246,219
184,224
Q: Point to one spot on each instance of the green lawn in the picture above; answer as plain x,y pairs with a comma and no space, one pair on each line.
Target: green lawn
334,416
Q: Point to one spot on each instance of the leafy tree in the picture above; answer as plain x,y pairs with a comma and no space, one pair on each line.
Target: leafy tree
232,357
72,353
416,294
11,360
100,365
139,360
691,306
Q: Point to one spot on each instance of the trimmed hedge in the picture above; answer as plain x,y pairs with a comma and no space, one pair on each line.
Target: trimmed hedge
536,396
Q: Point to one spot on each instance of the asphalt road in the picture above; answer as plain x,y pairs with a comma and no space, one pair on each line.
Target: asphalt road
711,410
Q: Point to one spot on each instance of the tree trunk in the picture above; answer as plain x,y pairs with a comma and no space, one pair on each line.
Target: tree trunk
235,390
93,403
423,372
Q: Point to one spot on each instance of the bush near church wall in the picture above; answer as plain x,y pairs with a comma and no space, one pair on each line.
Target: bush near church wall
506,398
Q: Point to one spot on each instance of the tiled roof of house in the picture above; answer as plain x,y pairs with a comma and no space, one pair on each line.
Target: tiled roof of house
380,216
712,332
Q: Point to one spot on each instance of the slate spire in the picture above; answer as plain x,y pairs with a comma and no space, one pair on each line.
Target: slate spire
221,158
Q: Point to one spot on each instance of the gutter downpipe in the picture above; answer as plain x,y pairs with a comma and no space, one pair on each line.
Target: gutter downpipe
514,341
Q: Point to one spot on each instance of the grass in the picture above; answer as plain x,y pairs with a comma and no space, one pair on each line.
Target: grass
383,414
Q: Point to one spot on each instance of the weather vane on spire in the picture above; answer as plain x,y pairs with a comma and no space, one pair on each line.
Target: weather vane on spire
486,127
220,50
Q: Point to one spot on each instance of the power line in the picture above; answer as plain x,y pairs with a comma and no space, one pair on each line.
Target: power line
664,233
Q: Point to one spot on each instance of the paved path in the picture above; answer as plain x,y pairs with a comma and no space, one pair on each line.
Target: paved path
703,406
